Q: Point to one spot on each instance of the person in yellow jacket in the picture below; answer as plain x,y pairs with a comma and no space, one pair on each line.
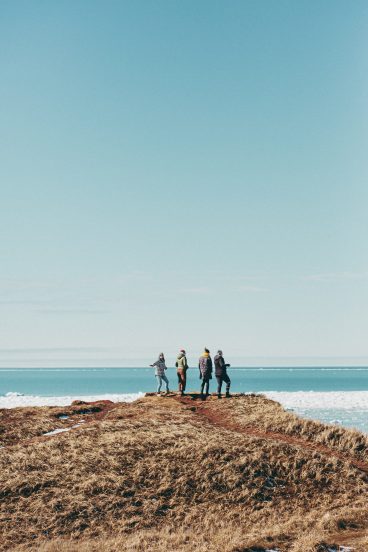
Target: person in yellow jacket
181,370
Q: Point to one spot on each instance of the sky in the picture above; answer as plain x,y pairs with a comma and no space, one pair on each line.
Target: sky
183,174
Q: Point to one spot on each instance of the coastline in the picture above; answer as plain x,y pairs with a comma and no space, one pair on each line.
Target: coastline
347,409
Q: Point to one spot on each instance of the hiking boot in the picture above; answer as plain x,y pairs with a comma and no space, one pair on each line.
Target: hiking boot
228,395
219,396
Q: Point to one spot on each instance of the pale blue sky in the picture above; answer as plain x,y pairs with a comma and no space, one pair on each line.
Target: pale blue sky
183,174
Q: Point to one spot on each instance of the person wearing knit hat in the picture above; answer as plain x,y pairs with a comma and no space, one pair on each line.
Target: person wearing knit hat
205,371
181,370
221,374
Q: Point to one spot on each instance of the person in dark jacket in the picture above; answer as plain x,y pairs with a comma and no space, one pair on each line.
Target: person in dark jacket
221,374
205,371
181,370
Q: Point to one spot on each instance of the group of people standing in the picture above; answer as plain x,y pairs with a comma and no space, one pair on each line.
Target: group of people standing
205,366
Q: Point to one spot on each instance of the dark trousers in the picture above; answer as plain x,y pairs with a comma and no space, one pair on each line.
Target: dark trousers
182,380
205,384
220,379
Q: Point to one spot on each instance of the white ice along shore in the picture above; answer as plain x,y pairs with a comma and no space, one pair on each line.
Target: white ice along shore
342,400
346,408
15,400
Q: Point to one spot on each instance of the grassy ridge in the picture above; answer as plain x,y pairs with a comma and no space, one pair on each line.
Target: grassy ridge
164,474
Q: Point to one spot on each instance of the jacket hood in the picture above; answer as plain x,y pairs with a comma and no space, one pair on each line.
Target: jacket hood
181,355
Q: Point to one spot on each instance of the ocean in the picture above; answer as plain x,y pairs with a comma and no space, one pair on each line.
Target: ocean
332,395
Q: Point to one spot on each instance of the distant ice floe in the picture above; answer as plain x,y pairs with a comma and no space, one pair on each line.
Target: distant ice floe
343,400
14,399
344,408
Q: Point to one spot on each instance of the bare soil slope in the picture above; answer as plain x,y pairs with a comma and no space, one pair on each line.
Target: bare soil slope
171,473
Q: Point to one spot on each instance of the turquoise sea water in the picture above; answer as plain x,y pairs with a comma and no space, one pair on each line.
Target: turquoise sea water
92,381
334,395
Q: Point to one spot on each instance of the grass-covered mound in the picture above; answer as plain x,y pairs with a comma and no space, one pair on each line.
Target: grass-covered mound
167,474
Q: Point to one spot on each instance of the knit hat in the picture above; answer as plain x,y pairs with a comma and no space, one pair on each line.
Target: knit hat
182,351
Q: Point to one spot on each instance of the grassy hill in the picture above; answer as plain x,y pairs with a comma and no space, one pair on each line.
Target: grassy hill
166,473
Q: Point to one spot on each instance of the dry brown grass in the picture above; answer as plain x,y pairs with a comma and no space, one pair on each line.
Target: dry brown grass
18,424
275,418
163,474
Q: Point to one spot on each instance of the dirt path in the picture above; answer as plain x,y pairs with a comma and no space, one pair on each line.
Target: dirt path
222,421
